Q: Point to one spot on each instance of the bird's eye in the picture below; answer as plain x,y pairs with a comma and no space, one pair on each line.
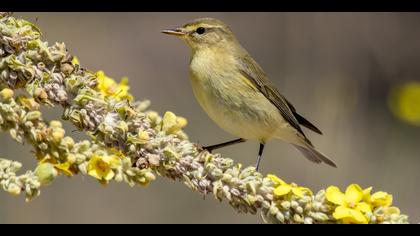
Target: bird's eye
200,30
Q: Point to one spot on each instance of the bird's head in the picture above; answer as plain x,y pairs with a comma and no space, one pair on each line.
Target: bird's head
204,33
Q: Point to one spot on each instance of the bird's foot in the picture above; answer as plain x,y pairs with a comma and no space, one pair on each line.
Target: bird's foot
202,148
217,146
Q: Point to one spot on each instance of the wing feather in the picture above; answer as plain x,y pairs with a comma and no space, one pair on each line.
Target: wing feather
252,71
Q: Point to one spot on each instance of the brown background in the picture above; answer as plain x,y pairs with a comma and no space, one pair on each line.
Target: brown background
337,68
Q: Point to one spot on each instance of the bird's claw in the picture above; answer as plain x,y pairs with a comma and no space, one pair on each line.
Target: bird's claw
201,148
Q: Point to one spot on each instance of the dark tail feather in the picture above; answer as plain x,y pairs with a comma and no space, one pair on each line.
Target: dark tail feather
315,156
306,123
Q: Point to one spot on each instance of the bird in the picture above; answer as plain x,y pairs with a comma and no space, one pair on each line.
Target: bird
236,93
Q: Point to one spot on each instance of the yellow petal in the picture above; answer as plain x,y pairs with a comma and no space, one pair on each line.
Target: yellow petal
334,195
100,167
100,76
122,89
342,212
354,194
65,168
349,215
282,190
75,61
143,137
306,190
366,194
297,191
181,122
348,220
169,124
124,82
359,217
92,162
113,161
363,207
381,199
276,179
352,220
105,84
95,174
108,175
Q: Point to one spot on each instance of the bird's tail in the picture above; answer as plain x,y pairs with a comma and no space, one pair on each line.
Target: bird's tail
315,156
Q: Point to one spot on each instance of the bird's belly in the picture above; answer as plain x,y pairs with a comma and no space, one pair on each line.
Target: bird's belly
238,109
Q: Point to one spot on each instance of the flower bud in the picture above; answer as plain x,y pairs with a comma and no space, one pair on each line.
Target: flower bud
55,124
6,94
33,115
58,135
45,173
14,189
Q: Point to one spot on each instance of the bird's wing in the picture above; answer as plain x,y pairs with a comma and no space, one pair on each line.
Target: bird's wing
253,72
306,123
302,120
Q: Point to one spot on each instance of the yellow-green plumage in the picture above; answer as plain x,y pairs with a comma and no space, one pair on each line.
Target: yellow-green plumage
235,92
230,99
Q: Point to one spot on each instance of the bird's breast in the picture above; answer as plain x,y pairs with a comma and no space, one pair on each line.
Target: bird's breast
231,100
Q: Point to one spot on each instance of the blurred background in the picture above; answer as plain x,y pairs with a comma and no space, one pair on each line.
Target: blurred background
355,75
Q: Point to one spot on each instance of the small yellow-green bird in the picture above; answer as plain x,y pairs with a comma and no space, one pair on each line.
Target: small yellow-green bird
236,93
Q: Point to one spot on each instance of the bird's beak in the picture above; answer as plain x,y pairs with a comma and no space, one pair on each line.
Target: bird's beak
176,32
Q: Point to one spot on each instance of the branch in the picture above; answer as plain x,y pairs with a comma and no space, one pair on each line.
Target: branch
130,143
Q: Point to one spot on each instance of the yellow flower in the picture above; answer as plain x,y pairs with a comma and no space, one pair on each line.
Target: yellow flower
110,88
381,199
377,199
75,61
351,207
115,152
101,167
123,90
366,194
171,123
143,137
282,188
65,168
404,102
181,121
29,103
105,84
6,94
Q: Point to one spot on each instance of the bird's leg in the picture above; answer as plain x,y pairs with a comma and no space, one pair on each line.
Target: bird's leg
225,144
260,152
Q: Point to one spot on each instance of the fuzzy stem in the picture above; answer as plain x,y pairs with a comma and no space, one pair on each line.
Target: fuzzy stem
149,142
